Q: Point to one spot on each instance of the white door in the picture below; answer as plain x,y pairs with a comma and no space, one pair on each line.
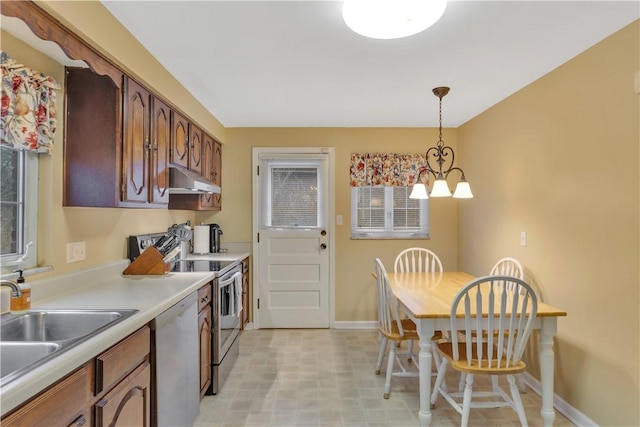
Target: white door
293,240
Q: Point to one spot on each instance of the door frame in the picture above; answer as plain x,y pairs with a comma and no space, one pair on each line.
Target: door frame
256,152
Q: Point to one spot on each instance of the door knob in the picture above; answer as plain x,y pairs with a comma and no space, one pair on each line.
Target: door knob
323,246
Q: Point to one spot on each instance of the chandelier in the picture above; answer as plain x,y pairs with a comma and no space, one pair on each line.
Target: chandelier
391,19
440,155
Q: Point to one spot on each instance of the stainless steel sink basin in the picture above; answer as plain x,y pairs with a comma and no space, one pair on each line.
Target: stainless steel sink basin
56,325
17,355
31,339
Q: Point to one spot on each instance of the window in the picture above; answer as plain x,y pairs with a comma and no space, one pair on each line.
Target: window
387,213
292,194
18,208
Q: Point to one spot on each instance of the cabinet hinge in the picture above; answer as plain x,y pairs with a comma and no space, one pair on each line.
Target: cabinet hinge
258,170
258,237
258,303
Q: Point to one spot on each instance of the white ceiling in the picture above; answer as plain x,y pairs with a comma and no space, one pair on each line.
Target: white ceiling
295,63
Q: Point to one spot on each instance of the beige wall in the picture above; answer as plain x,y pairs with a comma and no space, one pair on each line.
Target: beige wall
560,160
355,289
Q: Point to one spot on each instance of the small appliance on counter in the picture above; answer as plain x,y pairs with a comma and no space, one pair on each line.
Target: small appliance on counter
215,233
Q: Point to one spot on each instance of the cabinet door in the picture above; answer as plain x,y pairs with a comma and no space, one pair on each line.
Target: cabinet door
64,404
217,164
204,328
195,149
179,140
160,142
207,158
245,292
135,149
128,403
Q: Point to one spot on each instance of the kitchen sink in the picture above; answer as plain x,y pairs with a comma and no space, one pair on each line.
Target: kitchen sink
58,325
31,339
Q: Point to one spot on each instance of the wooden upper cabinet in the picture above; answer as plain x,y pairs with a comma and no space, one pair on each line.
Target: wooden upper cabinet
144,150
135,147
186,144
92,140
195,149
179,140
160,142
207,158
217,164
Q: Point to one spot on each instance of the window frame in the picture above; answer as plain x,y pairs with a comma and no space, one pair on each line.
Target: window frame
389,232
26,256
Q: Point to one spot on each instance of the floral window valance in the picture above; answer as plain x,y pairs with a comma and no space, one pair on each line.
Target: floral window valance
386,169
28,107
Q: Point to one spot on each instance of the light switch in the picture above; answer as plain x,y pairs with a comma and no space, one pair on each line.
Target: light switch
339,219
523,238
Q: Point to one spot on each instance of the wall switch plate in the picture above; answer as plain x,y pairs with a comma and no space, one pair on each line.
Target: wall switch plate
76,251
523,238
339,219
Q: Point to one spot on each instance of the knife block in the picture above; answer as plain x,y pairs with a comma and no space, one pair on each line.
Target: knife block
149,262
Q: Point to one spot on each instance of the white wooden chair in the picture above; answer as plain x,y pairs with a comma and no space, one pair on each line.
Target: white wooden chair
417,260
392,328
500,340
508,267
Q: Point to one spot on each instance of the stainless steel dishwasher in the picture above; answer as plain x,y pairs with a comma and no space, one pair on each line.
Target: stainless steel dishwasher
176,365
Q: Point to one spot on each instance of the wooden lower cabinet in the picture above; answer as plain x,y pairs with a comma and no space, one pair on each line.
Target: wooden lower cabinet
246,284
205,328
128,404
67,403
112,389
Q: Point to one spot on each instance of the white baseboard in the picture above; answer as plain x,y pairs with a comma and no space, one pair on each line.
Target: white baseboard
371,324
561,405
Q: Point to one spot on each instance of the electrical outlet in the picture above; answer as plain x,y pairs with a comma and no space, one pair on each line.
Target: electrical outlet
523,238
76,251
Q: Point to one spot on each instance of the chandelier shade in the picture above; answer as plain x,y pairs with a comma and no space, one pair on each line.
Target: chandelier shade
391,19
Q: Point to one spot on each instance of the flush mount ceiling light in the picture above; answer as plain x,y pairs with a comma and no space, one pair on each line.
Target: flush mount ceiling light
391,19
440,154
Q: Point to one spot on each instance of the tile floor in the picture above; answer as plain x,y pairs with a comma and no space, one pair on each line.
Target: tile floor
322,377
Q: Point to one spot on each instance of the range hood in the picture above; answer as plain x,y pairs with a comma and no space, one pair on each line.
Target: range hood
183,181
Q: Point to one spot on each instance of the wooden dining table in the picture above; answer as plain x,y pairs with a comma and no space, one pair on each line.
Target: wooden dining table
427,298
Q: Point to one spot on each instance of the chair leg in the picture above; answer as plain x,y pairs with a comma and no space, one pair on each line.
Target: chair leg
442,370
387,382
381,352
410,350
463,377
466,400
495,387
522,386
515,395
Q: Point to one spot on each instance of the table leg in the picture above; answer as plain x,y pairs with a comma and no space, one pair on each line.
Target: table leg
549,328
425,332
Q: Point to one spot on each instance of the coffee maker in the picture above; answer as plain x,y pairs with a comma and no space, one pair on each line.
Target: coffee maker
214,235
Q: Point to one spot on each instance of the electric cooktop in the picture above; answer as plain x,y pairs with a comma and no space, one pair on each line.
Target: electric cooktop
200,265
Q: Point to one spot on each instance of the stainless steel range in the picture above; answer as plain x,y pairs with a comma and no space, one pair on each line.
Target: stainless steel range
226,306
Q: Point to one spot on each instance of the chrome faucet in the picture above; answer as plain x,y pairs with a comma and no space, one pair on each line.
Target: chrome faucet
15,289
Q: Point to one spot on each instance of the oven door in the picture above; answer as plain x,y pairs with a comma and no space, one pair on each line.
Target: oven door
227,313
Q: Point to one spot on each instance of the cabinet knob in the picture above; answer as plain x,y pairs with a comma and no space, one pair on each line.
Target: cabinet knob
323,246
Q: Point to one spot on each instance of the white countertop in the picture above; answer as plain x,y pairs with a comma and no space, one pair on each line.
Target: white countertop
103,287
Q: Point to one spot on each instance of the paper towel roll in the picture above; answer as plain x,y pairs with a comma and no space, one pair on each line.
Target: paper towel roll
201,239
